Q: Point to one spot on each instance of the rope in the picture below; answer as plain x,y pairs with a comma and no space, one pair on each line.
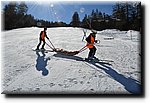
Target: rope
52,44
82,49
49,46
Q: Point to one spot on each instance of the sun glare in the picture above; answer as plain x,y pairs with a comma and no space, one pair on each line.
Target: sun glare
51,5
39,2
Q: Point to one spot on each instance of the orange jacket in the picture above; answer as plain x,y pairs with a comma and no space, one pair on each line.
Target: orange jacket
43,35
90,41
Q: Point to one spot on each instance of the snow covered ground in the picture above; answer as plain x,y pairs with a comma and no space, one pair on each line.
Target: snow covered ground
69,74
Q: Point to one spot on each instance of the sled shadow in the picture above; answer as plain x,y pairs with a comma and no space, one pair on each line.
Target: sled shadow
41,63
131,85
69,57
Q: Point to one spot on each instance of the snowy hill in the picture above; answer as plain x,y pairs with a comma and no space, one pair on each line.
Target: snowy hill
69,74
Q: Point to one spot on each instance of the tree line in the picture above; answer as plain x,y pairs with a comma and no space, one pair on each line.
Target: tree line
15,16
124,16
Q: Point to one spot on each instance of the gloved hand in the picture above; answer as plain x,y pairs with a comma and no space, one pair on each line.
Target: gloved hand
96,41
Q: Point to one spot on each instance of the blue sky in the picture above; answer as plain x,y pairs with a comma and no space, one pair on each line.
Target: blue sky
63,11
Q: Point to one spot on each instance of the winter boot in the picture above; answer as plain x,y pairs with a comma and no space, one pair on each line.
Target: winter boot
89,59
37,48
94,57
42,48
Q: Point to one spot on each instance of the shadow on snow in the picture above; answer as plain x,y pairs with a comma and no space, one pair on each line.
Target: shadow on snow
131,85
41,63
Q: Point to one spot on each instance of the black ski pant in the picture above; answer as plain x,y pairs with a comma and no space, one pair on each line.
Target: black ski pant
92,51
40,44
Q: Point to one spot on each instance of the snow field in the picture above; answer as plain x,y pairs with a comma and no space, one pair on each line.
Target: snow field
70,74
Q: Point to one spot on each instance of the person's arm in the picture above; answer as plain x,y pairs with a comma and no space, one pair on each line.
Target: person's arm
46,35
88,39
95,39
40,34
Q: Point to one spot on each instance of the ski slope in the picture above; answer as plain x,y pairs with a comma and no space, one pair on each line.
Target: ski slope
27,71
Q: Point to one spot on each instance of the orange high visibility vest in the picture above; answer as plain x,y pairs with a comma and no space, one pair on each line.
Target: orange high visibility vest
43,35
90,45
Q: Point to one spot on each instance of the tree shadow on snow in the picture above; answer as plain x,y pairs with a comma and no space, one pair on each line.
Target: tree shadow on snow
131,85
41,63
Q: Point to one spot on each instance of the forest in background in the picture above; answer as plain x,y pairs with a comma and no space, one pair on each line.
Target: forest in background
125,16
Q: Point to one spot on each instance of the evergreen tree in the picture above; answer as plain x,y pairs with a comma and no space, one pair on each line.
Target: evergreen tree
119,16
10,12
75,20
22,15
22,8
136,16
126,15
84,21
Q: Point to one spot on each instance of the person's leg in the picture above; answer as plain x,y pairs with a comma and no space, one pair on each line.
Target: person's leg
94,51
39,44
90,53
43,44
83,37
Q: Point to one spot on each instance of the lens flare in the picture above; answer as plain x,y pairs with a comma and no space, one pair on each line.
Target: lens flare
51,5
82,10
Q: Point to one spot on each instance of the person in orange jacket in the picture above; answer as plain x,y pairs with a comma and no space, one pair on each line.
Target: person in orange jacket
42,38
90,44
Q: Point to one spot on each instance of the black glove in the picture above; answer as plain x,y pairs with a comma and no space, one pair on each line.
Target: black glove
96,41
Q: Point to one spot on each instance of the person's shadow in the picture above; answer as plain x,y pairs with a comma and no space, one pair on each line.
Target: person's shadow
131,85
41,63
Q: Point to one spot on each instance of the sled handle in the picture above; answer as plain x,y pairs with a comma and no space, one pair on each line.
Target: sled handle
51,44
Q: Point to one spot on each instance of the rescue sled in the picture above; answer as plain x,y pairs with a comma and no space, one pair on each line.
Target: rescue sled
65,52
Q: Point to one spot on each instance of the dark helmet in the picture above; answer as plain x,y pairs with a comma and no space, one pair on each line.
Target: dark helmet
45,28
94,31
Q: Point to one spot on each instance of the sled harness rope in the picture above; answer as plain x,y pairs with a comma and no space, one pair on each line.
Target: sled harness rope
64,52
